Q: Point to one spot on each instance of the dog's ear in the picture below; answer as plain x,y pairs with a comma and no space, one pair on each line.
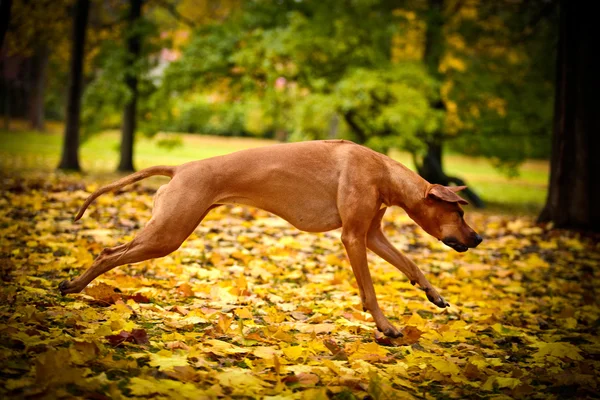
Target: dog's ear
456,189
446,193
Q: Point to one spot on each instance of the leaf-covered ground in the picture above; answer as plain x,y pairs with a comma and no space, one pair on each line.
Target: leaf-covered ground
249,307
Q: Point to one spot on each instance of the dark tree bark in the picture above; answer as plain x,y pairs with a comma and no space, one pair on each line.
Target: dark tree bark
5,10
134,46
5,97
431,167
39,66
573,200
70,152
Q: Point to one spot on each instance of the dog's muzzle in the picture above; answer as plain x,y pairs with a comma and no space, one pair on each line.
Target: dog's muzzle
460,247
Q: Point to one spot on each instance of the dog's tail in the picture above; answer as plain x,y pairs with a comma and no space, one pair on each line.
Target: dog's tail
138,176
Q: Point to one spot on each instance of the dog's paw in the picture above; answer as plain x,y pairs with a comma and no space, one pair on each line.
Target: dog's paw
65,288
390,332
436,299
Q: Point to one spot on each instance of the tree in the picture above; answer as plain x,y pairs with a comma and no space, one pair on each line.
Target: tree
70,151
39,71
574,193
37,42
5,10
430,164
134,47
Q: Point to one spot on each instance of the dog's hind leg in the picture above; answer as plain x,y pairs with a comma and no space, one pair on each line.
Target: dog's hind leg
164,233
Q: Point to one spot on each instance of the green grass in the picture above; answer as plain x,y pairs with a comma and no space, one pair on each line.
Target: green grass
33,150
26,150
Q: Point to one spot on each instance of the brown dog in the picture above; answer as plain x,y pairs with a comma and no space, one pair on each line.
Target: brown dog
316,186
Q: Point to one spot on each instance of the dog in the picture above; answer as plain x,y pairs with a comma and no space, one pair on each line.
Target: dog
316,186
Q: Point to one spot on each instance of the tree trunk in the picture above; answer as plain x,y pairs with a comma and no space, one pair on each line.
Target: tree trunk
6,87
574,193
431,167
131,80
5,9
70,152
36,98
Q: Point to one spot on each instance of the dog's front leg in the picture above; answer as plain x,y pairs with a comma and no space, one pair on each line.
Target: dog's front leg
356,248
380,245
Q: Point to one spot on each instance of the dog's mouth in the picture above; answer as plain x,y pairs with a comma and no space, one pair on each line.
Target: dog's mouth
461,248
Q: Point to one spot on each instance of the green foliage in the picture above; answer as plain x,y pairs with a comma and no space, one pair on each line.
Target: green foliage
392,107
502,93
263,56
106,95
317,69
201,115
316,117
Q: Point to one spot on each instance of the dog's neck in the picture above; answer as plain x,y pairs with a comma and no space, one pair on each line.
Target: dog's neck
405,188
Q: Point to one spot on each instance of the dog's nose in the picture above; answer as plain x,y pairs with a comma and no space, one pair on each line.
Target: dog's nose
478,239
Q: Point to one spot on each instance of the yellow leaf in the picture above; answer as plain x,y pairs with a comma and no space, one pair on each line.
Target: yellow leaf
293,352
243,313
54,367
166,360
314,328
281,335
241,382
570,323
332,259
416,320
445,367
148,387
507,382
504,330
265,352
221,348
494,362
558,349
489,384
315,394
369,351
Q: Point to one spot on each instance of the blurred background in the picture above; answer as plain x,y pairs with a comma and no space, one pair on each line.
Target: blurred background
461,91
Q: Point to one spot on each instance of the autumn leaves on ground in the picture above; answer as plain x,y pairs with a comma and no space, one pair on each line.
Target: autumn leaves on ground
249,307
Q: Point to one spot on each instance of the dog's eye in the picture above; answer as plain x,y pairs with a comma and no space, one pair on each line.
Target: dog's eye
461,213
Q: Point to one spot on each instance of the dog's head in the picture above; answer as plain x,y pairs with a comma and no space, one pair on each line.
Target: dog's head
441,215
